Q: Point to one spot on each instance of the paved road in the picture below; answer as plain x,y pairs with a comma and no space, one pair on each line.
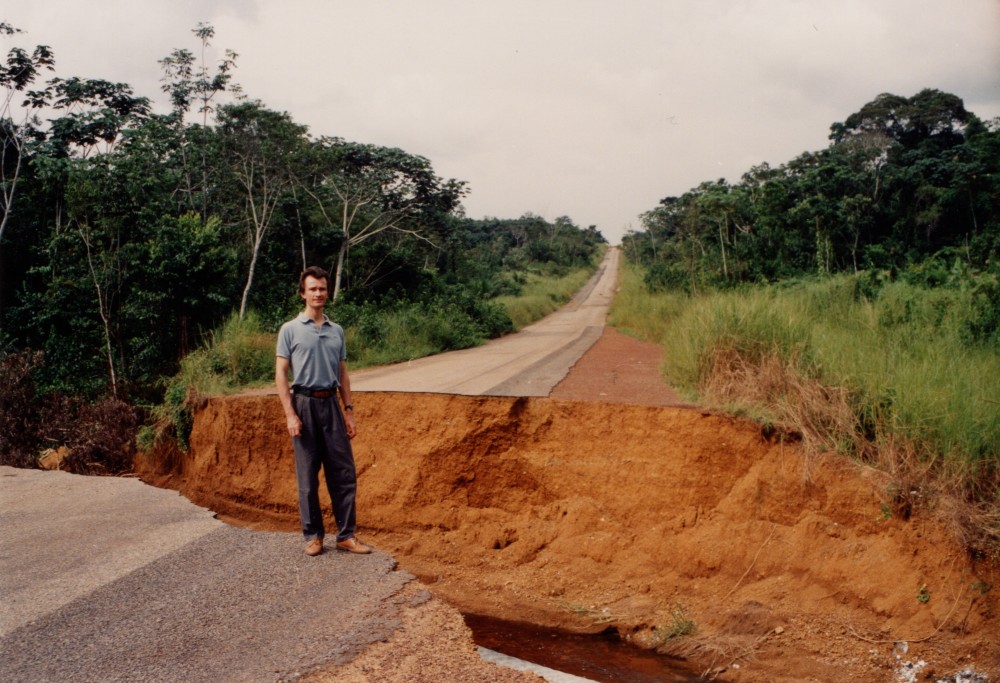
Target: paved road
107,579
529,363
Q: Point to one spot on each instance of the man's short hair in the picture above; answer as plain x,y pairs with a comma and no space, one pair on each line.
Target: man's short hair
316,272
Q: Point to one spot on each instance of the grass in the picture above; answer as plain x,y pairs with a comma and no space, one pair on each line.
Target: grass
238,356
680,625
892,378
407,333
416,330
543,294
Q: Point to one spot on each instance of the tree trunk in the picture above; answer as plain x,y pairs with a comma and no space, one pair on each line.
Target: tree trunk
9,194
822,249
339,272
253,266
854,249
722,245
102,310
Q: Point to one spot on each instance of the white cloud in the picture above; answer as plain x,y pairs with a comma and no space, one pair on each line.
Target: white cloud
588,108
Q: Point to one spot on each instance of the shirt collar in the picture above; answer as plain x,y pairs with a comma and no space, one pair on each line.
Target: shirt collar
303,318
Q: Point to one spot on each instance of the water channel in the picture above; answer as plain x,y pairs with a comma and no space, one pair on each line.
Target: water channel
602,657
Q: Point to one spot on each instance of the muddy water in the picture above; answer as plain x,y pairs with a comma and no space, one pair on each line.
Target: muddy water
602,657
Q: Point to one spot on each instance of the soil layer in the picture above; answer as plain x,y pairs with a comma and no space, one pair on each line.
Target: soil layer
611,506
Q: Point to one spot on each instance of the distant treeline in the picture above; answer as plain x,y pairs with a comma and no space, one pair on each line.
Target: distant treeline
904,180
127,235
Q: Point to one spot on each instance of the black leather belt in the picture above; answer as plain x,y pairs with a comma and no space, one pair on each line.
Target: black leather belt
316,393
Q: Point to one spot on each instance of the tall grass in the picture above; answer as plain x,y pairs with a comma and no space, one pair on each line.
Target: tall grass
406,332
638,312
890,376
543,294
414,330
238,355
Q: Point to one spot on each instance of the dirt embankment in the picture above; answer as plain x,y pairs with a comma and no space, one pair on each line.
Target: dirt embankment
589,515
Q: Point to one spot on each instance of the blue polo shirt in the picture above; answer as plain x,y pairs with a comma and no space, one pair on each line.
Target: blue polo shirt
314,352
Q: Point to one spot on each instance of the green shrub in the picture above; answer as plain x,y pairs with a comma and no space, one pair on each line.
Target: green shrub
238,354
20,440
663,276
982,324
241,352
99,434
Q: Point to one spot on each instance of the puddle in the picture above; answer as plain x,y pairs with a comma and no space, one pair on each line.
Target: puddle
602,657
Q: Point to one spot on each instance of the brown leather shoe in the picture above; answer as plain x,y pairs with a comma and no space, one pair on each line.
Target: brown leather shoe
353,545
315,547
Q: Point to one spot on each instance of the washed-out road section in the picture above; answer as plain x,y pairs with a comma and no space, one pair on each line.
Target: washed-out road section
110,579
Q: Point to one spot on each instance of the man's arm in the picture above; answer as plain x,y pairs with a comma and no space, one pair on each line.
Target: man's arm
345,396
281,367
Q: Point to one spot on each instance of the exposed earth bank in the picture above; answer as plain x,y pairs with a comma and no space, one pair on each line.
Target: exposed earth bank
609,505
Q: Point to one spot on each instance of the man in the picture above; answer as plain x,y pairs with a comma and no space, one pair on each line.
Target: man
312,347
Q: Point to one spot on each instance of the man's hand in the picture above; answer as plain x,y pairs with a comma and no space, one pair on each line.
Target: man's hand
294,425
285,394
345,395
349,424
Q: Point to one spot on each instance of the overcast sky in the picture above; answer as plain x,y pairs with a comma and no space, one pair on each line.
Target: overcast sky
592,109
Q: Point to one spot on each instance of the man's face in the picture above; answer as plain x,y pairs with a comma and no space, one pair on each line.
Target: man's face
315,293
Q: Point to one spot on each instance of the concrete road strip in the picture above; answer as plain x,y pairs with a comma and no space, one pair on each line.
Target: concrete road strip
550,675
529,363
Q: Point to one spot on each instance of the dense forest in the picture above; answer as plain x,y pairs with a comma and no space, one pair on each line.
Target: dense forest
905,181
128,236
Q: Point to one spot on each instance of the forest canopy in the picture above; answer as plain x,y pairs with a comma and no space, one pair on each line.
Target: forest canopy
904,179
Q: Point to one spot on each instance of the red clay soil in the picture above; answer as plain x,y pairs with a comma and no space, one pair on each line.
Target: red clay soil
609,505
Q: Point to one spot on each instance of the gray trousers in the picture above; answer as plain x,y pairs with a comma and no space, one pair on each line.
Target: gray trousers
323,443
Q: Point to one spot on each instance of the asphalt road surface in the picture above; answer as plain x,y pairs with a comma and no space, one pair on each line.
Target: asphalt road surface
108,579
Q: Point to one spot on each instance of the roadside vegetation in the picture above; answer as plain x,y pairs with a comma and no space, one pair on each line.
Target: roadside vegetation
850,298
891,376
542,294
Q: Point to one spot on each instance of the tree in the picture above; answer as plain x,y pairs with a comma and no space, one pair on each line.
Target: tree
929,115
17,130
128,221
903,179
262,147
187,82
186,287
104,270
93,111
363,190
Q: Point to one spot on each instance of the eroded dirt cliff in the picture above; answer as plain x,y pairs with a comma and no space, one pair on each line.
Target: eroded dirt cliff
588,515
